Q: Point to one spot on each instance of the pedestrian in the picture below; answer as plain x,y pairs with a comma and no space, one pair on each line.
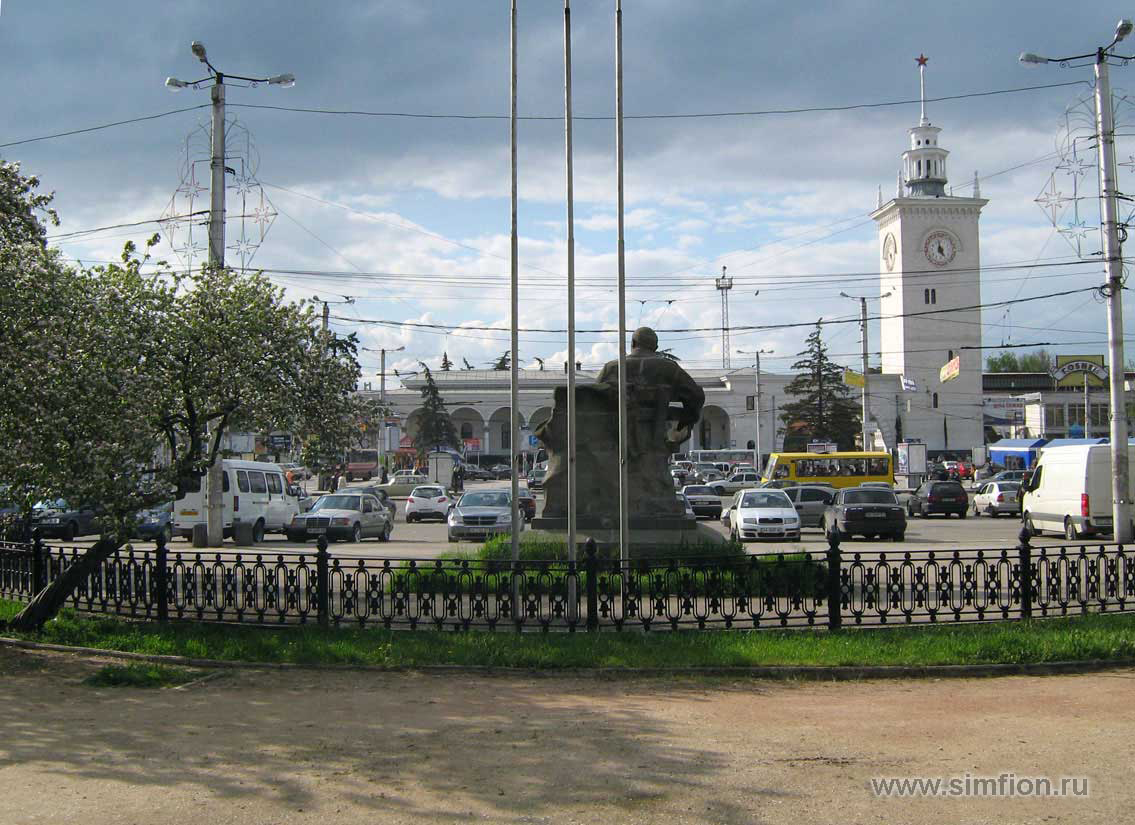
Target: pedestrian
385,476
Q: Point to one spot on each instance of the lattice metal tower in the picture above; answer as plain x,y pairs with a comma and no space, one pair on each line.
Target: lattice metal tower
724,284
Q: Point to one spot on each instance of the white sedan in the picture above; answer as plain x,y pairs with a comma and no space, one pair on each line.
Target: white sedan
996,497
427,502
763,514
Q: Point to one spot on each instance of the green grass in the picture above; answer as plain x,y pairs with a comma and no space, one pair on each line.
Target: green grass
1109,637
140,675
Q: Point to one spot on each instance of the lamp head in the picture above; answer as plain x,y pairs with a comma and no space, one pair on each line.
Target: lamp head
285,81
1028,58
198,49
175,85
1122,29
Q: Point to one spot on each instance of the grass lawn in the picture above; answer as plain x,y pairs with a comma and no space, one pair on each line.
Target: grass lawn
1089,637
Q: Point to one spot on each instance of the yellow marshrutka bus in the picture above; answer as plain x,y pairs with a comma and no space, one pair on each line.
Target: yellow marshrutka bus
837,469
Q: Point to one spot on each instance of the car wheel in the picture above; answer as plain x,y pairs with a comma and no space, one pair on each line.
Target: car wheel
452,540
411,518
385,534
962,514
1030,528
1070,531
68,532
899,537
357,533
293,537
258,532
976,512
168,531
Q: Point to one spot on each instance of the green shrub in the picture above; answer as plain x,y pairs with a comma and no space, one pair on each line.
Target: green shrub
139,675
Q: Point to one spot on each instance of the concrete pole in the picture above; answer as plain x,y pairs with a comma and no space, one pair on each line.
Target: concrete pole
1113,265
214,516
1087,410
571,489
863,326
514,389
757,411
624,493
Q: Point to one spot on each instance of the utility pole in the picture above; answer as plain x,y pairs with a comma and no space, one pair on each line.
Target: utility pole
624,491
866,428
571,434
1113,271
514,289
757,401
724,284
214,518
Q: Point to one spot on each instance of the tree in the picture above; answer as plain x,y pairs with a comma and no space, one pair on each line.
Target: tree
128,379
1036,361
503,362
22,209
467,366
446,364
435,428
824,410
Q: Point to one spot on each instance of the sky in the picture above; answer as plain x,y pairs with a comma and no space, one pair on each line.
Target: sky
406,210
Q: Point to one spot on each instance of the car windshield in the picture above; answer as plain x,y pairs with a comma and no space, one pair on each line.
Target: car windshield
766,498
869,497
338,503
697,490
1008,485
484,500
428,492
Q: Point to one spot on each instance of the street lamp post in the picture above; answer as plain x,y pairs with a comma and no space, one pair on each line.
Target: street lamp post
863,330
756,400
214,518
1113,270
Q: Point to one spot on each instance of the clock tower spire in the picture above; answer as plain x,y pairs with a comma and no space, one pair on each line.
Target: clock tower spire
931,273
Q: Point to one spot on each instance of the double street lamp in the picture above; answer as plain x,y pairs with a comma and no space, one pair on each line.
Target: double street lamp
217,163
1113,265
756,400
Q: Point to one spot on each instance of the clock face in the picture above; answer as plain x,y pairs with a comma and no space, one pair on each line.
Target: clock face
890,251
940,248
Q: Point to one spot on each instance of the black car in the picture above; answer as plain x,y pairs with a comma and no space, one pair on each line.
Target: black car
58,520
868,511
475,473
943,497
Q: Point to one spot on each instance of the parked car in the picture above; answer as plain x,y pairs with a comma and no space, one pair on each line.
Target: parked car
536,478
945,497
710,476
687,508
403,482
370,488
475,473
527,502
59,520
254,493
810,501
501,471
343,517
762,514
154,522
986,471
1011,475
870,512
428,502
737,481
299,472
703,500
1069,491
996,497
480,514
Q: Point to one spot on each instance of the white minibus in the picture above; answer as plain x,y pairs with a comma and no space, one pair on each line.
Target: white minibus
253,492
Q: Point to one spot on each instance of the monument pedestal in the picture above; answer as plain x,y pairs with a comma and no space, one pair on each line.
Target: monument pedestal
660,534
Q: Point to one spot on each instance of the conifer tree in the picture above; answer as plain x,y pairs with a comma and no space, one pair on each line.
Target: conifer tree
446,364
823,409
436,427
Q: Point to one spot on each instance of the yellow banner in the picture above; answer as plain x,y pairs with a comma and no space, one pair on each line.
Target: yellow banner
951,369
853,378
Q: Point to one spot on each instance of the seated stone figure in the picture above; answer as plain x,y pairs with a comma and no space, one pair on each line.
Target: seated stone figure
663,405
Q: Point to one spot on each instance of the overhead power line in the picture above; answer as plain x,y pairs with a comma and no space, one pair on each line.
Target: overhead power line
429,116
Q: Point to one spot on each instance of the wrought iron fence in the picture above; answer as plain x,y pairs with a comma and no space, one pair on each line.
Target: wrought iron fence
830,588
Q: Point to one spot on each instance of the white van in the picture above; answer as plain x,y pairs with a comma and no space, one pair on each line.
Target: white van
252,491
1069,491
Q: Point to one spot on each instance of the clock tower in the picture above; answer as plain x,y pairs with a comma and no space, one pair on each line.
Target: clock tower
931,279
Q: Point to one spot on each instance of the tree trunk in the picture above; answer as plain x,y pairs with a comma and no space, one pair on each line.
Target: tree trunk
47,602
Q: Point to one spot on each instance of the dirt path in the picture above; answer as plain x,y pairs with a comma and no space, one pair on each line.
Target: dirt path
349,747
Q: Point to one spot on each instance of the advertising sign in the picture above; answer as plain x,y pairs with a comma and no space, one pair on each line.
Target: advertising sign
951,369
1070,370
910,458
852,378
472,445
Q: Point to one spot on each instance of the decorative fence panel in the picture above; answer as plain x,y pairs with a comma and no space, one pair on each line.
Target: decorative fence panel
832,588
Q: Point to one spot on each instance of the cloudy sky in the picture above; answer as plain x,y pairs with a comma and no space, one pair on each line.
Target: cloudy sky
406,209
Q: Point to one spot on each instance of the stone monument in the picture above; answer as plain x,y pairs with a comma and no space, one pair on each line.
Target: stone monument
663,405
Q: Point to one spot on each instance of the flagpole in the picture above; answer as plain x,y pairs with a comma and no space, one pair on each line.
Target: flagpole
624,523
514,287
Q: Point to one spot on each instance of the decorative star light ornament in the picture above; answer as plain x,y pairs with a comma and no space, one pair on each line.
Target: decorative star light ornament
249,214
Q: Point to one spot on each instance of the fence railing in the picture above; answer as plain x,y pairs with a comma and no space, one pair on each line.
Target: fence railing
830,588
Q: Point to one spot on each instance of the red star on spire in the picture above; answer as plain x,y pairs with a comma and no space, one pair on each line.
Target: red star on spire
921,60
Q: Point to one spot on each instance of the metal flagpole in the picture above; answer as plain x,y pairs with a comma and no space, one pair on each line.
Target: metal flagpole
571,548
514,395
624,525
